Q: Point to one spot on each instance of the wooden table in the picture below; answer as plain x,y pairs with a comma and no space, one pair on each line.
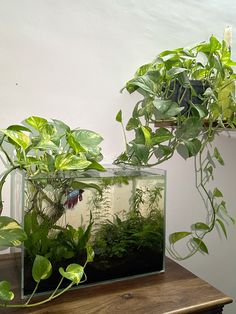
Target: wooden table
177,291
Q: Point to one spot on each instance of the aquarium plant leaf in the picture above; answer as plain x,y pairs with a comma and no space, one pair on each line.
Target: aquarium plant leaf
201,245
42,268
36,122
11,233
73,272
5,294
90,253
176,236
69,161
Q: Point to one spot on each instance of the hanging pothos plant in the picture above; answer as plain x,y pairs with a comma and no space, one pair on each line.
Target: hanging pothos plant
38,147
188,97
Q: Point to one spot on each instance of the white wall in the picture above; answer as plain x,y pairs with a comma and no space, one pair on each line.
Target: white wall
68,59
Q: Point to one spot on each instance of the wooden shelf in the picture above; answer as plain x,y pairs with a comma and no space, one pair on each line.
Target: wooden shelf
177,291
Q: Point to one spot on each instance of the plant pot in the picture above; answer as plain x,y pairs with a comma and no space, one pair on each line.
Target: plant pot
120,212
183,95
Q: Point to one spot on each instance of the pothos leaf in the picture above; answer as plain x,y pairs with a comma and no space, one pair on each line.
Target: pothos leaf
11,233
220,222
36,122
42,268
19,138
176,236
5,294
119,116
201,245
200,226
218,156
69,161
73,272
217,193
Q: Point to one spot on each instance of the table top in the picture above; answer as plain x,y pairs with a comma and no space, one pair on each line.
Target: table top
177,291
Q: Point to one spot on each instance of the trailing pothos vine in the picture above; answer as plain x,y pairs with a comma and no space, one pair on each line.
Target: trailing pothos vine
187,98
45,151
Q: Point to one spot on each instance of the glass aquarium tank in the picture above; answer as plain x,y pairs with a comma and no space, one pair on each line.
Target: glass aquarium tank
120,212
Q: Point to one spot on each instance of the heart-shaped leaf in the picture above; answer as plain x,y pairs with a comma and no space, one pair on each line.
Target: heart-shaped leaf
73,272
42,268
11,233
5,294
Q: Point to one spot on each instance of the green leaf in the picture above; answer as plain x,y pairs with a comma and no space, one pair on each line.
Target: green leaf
61,125
193,146
5,294
46,144
74,272
163,150
74,144
11,233
201,245
18,138
119,116
166,109
220,222
144,82
97,166
141,152
69,161
15,127
218,157
36,122
161,135
87,138
147,135
143,69
183,151
90,253
174,71
190,128
133,123
217,193
42,268
83,185
200,226
214,44
176,236
201,110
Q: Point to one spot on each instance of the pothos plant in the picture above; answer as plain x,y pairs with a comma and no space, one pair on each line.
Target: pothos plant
187,98
38,147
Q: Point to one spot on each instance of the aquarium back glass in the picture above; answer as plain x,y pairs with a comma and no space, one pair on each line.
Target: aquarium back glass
120,212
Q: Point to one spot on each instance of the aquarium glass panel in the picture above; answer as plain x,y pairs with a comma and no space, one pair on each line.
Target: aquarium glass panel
120,213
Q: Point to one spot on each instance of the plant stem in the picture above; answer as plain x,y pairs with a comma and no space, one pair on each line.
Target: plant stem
2,181
33,293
